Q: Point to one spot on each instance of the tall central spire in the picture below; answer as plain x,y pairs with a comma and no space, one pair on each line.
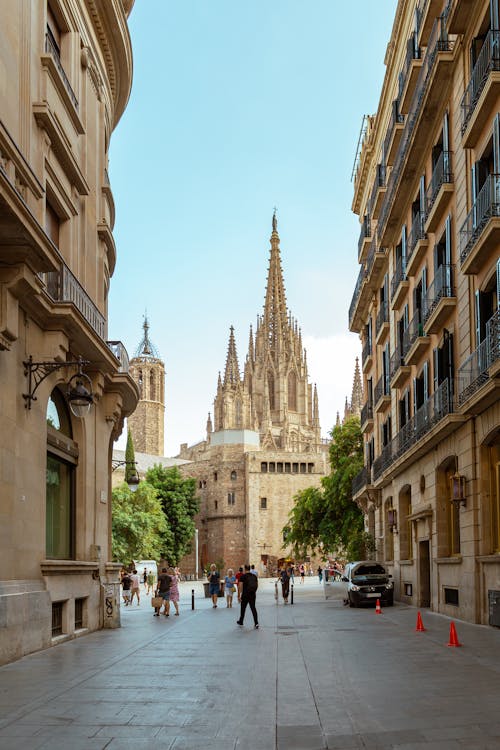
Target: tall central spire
232,371
275,314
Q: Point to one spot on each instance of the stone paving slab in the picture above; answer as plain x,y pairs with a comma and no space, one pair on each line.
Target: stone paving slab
315,676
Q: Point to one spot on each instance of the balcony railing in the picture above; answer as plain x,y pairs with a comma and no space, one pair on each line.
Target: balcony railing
425,418
396,118
486,206
488,60
413,52
441,286
382,388
382,317
439,41
396,361
416,233
442,175
413,330
120,353
62,286
366,413
367,350
361,480
366,230
473,373
52,50
379,182
357,292
398,277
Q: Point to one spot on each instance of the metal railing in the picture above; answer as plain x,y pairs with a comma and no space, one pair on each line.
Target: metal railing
473,373
442,175
413,330
488,60
63,286
413,52
366,413
439,41
356,294
396,361
441,286
366,230
361,480
486,206
382,317
396,119
398,276
52,50
367,350
416,233
382,388
379,182
121,354
432,411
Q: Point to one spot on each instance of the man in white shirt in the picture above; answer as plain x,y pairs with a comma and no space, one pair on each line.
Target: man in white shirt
252,570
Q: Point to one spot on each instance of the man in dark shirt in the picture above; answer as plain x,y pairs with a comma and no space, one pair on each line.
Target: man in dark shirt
163,590
126,584
247,589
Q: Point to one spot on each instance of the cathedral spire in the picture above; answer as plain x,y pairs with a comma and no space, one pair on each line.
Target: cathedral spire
251,355
315,408
275,312
232,371
357,392
146,348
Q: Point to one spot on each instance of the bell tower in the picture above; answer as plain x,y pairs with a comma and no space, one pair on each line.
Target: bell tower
147,422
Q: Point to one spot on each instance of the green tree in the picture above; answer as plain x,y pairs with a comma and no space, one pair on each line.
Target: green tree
139,527
130,470
326,519
180,505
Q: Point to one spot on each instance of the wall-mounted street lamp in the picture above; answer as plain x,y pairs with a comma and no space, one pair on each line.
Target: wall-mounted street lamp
458,488
133,480
79,387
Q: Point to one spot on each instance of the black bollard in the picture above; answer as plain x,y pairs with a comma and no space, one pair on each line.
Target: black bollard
192,598
291,595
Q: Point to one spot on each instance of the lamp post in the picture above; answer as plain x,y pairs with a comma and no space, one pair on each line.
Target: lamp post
196,551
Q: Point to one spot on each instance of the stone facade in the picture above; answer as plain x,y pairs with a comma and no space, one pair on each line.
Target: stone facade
427,306
66,73
264,445
147,422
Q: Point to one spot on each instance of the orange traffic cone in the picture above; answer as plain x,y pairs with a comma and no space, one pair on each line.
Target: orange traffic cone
453,636
378,610
420,625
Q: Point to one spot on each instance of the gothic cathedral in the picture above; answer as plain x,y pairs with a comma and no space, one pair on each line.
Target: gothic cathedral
147,422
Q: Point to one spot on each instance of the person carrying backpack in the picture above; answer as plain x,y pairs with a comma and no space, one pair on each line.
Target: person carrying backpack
247,589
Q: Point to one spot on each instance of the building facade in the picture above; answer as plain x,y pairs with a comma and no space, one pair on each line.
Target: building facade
147,422
264,444
66,73
426,305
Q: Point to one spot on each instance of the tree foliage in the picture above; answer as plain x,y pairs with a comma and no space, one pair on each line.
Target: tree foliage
140,530
326,519
180,505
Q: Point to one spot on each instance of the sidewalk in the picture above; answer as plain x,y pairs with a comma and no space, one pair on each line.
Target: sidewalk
315,675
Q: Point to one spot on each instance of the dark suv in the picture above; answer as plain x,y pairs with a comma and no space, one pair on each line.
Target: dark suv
366,582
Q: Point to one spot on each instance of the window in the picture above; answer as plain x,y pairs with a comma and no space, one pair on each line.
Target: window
405,524
57,618
139,382
263,467
288,468
295,468
448,512
152,386
310,468
302,468
270,387
263,503
451,596
230,498
233,476
389,530
237,412
60,481
279,467
272,467
216,504
79,613
52,223
215,476
54,32
494,478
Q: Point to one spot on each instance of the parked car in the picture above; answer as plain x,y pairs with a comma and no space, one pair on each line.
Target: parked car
365,582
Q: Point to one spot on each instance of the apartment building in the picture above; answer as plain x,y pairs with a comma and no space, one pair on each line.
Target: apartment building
65,79
426,306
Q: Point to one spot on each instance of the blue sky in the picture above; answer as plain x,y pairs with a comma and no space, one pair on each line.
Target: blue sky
236,108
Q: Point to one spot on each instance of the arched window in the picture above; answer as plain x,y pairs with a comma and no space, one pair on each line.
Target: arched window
233,475
270,386
448,512
62,455
292,391
493,463
405,524
152,386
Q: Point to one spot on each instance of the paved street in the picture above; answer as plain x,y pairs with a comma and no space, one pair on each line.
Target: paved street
315,675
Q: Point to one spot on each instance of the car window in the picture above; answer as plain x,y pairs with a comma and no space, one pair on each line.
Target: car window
369,570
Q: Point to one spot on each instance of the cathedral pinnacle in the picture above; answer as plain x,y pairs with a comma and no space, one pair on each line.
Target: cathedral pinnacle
146,348
232,371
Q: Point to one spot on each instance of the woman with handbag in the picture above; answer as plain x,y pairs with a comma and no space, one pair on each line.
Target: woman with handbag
229,586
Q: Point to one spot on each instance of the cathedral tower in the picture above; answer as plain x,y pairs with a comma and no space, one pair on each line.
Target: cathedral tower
147,422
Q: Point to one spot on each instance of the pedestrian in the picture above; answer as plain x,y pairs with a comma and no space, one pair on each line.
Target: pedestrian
229,587
247,589
320,573
126,584
150,582
214,584
135,587
302,572
284,577
253,571
291,572
145,576
174,589
239,574
163,590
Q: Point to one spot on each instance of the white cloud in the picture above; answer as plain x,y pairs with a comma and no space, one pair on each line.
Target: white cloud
331,361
